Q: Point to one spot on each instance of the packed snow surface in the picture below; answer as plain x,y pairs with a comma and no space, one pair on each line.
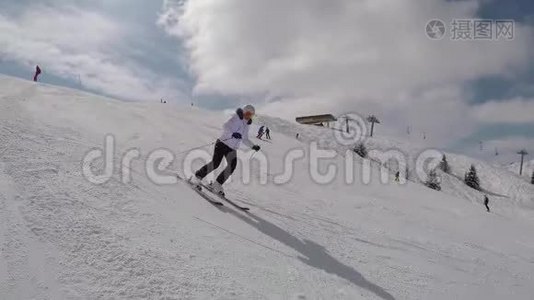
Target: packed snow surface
63,237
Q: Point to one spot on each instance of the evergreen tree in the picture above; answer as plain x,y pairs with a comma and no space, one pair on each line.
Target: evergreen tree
471,178
361,150
532,179
444,165
432,181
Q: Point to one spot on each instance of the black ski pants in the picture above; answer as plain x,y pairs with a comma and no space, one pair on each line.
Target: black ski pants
221,151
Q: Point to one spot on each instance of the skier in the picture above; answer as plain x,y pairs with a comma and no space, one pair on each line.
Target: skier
486,202
268,133
235,131
397,174
260,132
37,73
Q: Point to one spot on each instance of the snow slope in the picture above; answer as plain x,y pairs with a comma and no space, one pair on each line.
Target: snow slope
64,237
509,194
528,168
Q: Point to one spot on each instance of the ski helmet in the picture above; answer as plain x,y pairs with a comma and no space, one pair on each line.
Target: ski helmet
249,109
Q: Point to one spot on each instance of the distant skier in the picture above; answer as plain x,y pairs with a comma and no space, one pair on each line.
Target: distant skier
486,202
37,73
397,175
297,136
235,130
267,133
260,132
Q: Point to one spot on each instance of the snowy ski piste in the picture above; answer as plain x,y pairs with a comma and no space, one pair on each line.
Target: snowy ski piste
141,233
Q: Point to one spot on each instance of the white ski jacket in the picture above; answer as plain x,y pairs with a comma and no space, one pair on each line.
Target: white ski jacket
236,124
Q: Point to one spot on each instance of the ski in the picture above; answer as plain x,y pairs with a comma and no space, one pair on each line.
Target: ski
243,208
223,197
199,191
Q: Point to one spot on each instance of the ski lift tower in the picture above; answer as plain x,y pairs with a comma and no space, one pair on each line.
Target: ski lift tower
373,119
347,127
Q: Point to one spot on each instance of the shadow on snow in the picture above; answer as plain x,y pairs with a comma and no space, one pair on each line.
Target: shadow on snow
312,253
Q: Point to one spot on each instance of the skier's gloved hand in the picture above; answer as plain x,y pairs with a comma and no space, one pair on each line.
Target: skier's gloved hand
256,148
236,135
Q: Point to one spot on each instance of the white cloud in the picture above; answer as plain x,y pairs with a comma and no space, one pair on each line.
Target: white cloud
343,55
70,42
518,110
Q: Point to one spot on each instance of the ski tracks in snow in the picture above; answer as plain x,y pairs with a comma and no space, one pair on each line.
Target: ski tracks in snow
25,262
52,217
65,237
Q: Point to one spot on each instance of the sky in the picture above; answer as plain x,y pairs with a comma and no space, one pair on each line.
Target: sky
292,58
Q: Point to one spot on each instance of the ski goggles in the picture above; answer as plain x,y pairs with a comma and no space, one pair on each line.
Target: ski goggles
248,114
